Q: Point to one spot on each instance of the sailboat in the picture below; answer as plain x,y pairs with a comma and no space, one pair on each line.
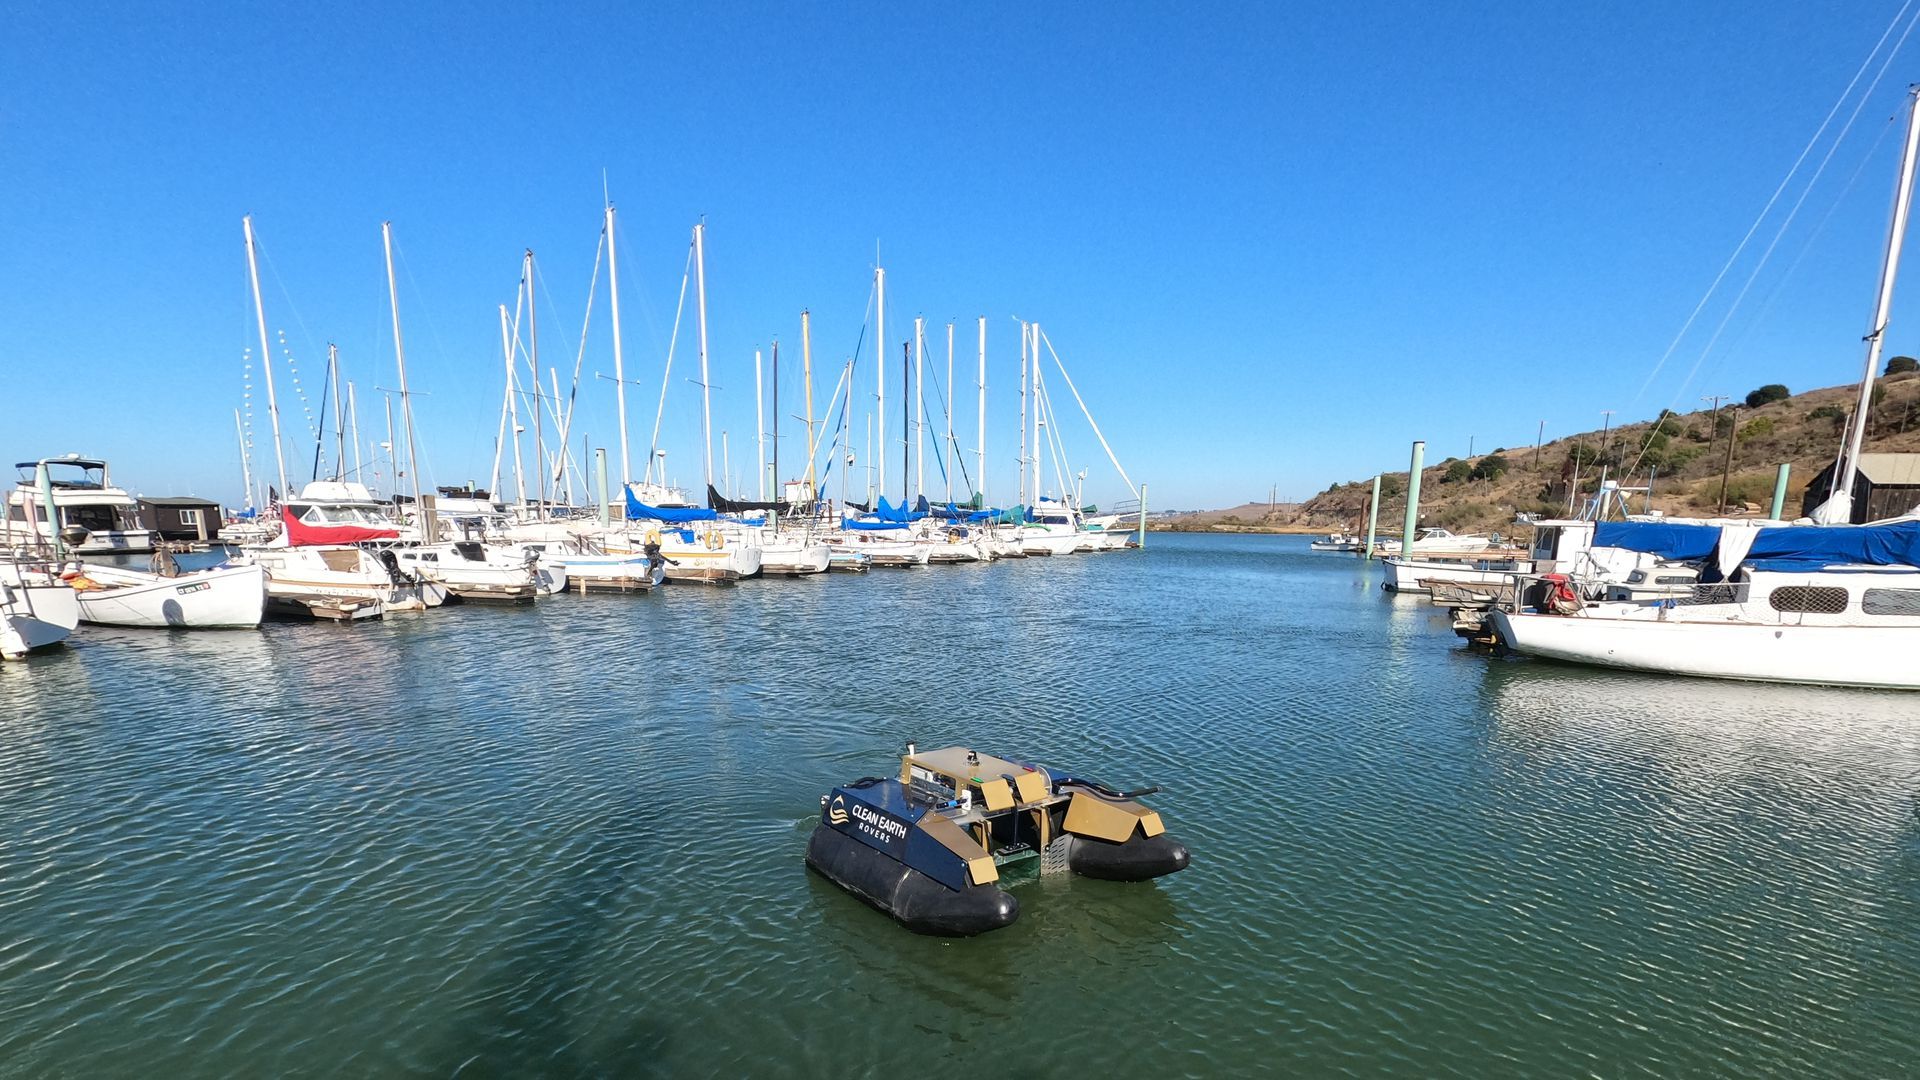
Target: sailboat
1814,603
37,609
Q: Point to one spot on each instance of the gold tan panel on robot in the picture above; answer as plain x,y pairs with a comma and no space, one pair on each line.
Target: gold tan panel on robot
1031,787
980,868
1088,815
996,794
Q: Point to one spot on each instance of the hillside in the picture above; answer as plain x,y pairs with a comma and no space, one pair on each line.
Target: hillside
1685,458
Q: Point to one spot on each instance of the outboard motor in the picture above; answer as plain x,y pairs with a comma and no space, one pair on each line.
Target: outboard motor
394,573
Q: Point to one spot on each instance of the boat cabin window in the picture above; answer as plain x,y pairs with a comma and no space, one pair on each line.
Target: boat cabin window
1818,599
1544,542
1891,602
1673,579
92,518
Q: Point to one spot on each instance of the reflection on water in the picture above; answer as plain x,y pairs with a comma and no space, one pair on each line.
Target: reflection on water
566,839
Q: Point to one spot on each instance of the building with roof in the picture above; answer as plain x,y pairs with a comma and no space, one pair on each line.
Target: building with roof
1886,486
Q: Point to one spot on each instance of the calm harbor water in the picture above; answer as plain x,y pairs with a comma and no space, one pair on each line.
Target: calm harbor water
566,840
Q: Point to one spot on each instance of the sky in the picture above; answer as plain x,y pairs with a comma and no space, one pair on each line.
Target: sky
1272,243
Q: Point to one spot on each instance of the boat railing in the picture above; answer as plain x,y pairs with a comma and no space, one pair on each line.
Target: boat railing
1719,592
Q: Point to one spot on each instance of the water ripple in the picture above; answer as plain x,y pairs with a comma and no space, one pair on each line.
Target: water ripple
565,840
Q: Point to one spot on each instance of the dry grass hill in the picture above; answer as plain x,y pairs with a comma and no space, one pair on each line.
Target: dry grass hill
1684,457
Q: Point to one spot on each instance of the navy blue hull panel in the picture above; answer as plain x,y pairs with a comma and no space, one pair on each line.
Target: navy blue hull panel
1139,858
915,900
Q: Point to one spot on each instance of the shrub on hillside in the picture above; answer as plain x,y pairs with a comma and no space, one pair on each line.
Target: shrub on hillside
1758,427
1767,395
1491,467
1457,471
1900,365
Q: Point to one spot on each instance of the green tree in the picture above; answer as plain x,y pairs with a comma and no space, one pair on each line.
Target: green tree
1457,471
1491,467
1767,395
1900,365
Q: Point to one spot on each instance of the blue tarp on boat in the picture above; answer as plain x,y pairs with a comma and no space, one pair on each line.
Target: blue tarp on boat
675,514
1810,547
1668,541
871,526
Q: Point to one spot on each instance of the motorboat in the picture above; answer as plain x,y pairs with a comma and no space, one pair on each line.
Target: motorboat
82,497
219,598
927,846
1339,541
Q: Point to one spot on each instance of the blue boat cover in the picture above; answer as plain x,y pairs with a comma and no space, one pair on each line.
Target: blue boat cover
674,514
1668,541
871,526
1810,547
886,511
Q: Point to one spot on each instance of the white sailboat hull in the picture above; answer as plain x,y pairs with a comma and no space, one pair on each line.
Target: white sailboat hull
1878,656
35,616
794,557
228,597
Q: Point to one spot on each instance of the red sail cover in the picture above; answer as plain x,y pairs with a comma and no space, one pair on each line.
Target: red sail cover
299,535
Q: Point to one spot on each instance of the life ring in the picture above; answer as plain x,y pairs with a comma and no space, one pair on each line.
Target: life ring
715,541
653,536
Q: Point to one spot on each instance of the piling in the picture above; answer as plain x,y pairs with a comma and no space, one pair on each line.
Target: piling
1373,519
1140,538
1413,497
1780,491
600,469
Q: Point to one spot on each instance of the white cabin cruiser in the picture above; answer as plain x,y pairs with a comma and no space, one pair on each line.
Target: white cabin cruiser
83,497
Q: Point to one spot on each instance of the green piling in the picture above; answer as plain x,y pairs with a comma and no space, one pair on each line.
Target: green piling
1413,498
1780,491
1373,519
1140,538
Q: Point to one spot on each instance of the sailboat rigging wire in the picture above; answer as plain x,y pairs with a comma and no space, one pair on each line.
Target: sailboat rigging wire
1088,413
1819,230
1785,223
580,356
1686,326
666,375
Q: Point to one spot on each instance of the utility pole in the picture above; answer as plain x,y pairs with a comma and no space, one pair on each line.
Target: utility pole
1539,438
1606,427
1727,468
1712,433
1470,439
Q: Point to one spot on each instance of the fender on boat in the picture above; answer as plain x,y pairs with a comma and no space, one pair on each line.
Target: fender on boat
1139,858
915,900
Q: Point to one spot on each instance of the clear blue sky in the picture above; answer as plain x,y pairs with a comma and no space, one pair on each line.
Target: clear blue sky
1273,242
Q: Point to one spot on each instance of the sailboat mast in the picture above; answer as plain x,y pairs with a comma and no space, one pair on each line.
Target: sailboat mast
512,427
1896,236
246,468
619,369
846,408
339,418
1021,465
353,425
980,451
760,425
878,441
920,407
906,414
1033,332
393,479
266,355
400,358
533,362
706,390
806,377
776,419
949,455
